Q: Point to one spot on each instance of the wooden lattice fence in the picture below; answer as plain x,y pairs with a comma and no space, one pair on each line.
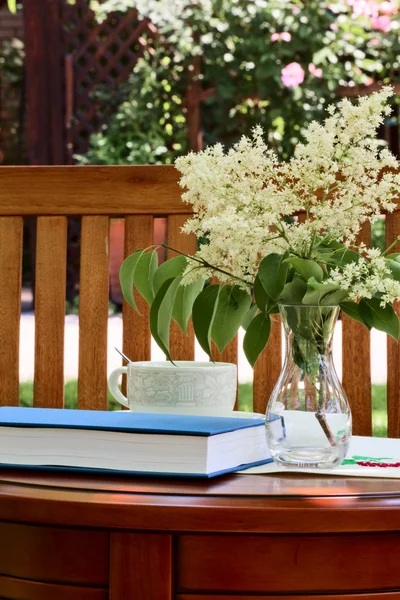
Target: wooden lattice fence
96,55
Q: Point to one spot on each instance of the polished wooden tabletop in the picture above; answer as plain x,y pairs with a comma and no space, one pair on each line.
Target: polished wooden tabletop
96,537
253,503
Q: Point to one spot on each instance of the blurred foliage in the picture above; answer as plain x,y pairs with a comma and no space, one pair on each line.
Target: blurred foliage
12,5
244,48
149,126
378,234
11,62
11,80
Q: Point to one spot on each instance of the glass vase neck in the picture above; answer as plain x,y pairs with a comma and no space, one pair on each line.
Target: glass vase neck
311,328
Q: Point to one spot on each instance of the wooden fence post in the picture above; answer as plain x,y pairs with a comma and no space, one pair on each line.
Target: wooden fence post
44,81
193,99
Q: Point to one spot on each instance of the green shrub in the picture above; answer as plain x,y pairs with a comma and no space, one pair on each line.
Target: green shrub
242,62
149,126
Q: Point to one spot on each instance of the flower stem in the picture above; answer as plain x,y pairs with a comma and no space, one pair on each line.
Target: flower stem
391,245
207,265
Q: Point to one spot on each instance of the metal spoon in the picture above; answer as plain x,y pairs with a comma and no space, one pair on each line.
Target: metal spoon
123,355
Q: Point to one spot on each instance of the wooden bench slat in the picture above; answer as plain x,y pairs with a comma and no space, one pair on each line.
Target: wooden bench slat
102,190
93,313
11,233
356,360
181,346
268,367
51,254
393,354
139,233
228,355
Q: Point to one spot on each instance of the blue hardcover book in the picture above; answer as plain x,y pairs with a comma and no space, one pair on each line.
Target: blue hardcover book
136,443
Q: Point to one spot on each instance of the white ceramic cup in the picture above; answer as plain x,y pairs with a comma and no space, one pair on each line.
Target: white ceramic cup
195,388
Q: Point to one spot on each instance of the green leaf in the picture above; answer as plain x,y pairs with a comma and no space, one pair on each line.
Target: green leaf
272,309
144,273
184,300
334,299
323,55
173,267
249,316
12,6
394,266
233,304
161,313
272,274
331,245
203,313
127,274
394,256
317,291
383,319
260,295
307,268
352,309
323,294
345,257
293,292
256,337
338,254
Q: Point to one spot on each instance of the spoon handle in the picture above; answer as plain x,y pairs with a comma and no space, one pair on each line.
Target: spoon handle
122,354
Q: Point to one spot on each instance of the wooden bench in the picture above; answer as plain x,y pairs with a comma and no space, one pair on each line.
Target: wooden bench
92,537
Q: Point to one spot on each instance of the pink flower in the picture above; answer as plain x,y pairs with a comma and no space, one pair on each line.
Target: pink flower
366,8
388,8
316,71
284,36
374,42
292,75
383,23
369,81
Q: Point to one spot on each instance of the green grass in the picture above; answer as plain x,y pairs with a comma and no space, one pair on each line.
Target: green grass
379,415
246,396
70,395
379,411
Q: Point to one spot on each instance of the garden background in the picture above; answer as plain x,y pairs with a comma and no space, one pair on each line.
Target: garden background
142,82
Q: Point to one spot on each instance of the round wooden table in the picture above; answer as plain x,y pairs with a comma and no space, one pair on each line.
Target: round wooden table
238,537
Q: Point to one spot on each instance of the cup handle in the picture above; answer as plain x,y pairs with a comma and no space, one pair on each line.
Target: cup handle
113,385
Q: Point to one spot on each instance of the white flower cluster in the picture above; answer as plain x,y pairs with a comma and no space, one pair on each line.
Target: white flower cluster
365,278
342,161
242,198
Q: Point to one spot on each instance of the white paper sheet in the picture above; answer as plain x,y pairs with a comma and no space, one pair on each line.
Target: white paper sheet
363,450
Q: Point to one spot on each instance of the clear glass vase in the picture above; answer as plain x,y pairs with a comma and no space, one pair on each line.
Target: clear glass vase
308,416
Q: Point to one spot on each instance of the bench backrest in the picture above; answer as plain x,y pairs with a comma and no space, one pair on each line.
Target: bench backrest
138,194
